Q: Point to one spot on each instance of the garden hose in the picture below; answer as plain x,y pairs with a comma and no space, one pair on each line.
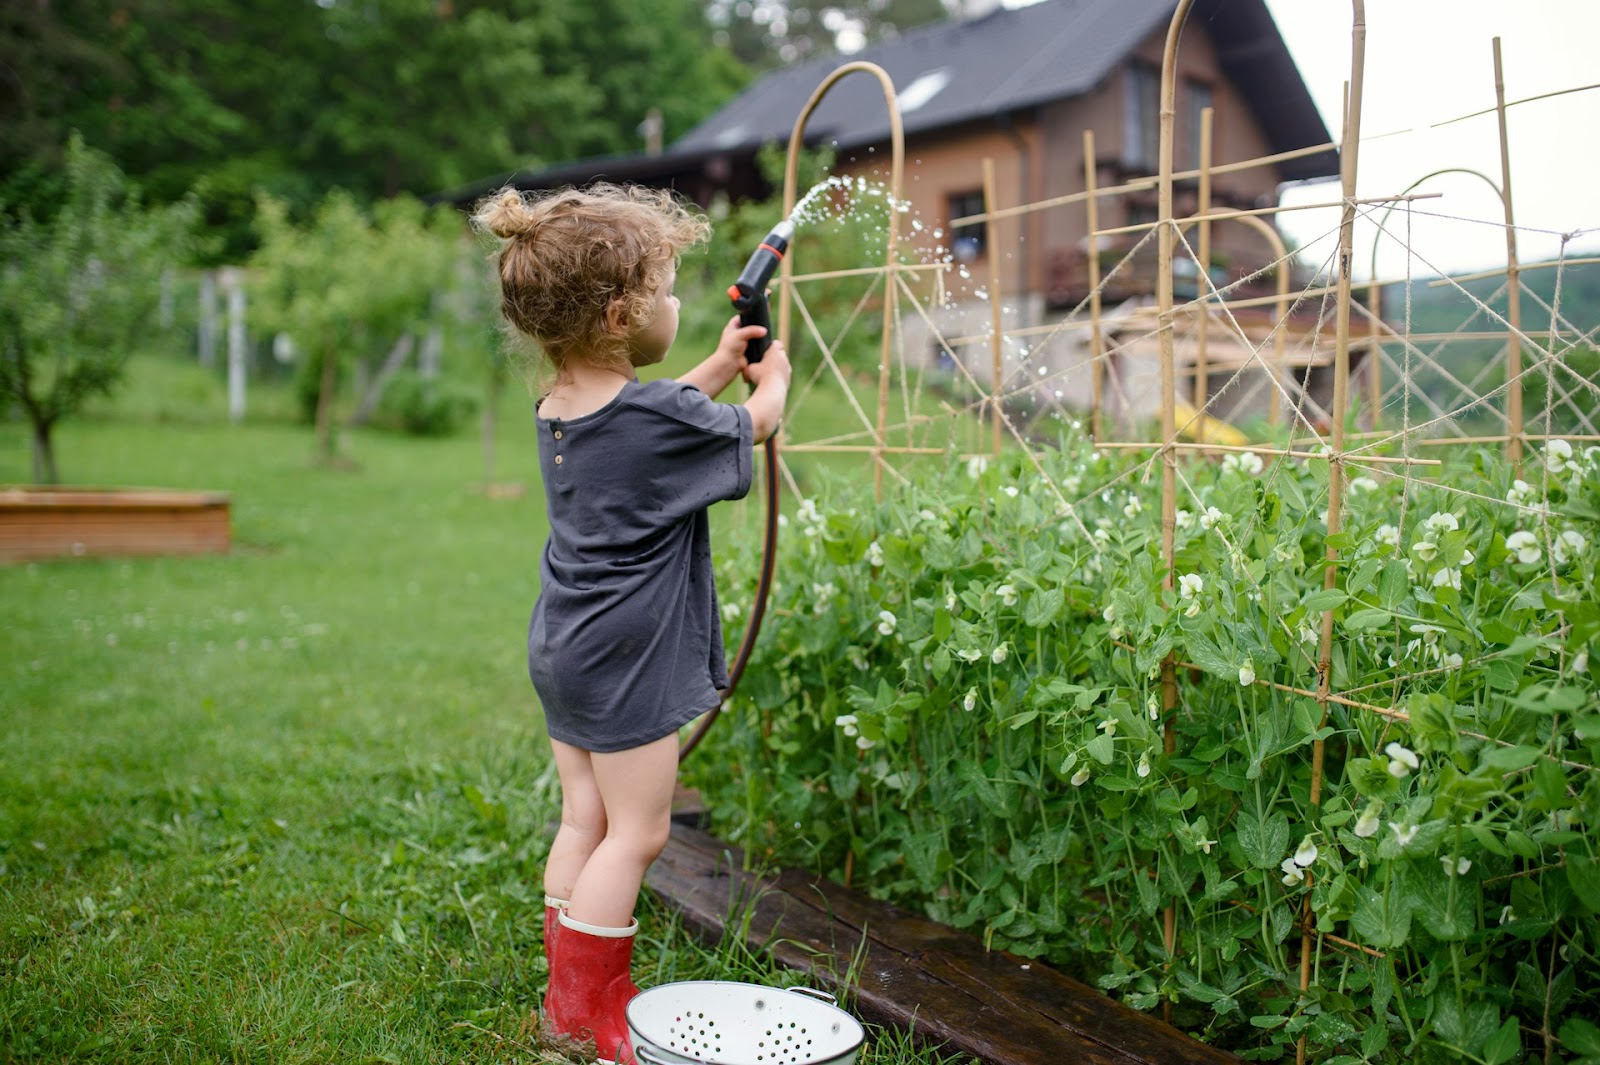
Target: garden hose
749,296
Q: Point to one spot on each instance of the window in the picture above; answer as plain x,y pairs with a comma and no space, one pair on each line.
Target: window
1198,95
967,242
1141,115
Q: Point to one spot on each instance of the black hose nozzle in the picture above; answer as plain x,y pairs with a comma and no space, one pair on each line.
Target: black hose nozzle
749,293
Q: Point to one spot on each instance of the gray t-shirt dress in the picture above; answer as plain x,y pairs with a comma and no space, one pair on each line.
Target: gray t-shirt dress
625,643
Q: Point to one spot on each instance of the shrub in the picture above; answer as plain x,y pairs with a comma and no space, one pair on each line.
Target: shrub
425,407
957,706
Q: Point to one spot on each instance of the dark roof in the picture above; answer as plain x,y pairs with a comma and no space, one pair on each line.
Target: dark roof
1013,59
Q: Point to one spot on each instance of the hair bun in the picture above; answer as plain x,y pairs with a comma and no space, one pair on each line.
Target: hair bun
506,214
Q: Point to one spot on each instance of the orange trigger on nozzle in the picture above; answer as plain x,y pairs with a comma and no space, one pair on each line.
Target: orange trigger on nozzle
733,293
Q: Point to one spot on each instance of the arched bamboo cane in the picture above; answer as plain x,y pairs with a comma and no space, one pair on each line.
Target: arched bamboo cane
892,240
1169,454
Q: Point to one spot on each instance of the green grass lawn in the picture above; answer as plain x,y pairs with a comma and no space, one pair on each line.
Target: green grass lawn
288,804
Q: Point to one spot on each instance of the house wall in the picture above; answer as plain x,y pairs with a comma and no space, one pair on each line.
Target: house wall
1040,156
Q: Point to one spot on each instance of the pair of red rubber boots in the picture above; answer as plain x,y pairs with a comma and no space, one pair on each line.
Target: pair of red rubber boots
589,982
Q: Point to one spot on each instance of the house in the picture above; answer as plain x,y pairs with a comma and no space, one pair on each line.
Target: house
1018,86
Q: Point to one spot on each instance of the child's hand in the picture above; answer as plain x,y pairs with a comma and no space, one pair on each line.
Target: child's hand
734,338
773,365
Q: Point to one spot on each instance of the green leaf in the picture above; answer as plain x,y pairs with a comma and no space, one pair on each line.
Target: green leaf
1395,584
1504,1044
1264,842
1042,607
1101,749
1209,657
1324,599
1580,1036
1509,759
1583,876
1370,618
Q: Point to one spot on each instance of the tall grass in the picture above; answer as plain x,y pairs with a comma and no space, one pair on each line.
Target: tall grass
292,803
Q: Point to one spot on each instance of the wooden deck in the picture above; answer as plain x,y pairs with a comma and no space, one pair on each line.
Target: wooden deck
910,972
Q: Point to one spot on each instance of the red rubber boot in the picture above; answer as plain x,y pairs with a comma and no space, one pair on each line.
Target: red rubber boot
552,911
590,988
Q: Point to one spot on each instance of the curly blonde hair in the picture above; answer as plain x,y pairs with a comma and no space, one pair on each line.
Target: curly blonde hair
580,268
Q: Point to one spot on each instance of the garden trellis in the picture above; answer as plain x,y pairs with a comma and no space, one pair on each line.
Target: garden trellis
1378,426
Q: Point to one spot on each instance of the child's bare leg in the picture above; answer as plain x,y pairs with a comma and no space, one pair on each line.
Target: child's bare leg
636,787
583,820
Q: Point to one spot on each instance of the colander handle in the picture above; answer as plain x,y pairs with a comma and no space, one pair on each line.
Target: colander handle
811,992
644,1054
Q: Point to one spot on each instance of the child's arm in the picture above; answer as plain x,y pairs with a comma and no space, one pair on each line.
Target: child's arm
723,365
770,377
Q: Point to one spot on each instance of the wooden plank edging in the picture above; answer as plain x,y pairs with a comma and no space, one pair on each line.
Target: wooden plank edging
904,970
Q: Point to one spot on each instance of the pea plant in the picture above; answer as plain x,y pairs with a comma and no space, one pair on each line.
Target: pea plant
957,706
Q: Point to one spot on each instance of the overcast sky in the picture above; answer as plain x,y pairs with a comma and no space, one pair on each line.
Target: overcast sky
1432,60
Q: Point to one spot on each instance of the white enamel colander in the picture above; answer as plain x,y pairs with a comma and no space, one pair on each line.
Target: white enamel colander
723,1022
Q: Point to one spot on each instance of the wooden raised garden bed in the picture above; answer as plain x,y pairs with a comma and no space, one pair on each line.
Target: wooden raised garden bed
44,523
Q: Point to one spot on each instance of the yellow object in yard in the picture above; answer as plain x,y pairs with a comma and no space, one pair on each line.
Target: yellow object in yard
1215,431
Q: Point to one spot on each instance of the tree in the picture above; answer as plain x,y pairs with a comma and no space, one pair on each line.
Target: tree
79,292
347,283
378,97
773,33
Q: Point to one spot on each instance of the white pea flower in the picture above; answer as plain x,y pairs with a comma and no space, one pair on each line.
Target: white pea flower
864,744
1525,546
847,722
730,611
807,512
1109,613
1456,867
1467,558
1305,854
998,655
887,622
1387,534
1363,484
1144,765
1007,594
874,554
1507,914
1132,508
1080,776
1308,634
1193,609
1367,823
976,465
969,654
1183,519
927,515
1250,463
1580,661
1292,873
1010,490
1429,634
951,602
1247,674
1425,550
1211,518
1404,834
1205,844
1520,493
1401,760
1442,521
1558,456
1448,578
970,700
1108,726
1153,705
1570,544
1190,585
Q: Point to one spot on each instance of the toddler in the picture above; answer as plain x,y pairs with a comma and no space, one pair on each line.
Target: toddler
625,643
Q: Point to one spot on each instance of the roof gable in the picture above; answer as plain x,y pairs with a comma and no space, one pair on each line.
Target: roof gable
1012,59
